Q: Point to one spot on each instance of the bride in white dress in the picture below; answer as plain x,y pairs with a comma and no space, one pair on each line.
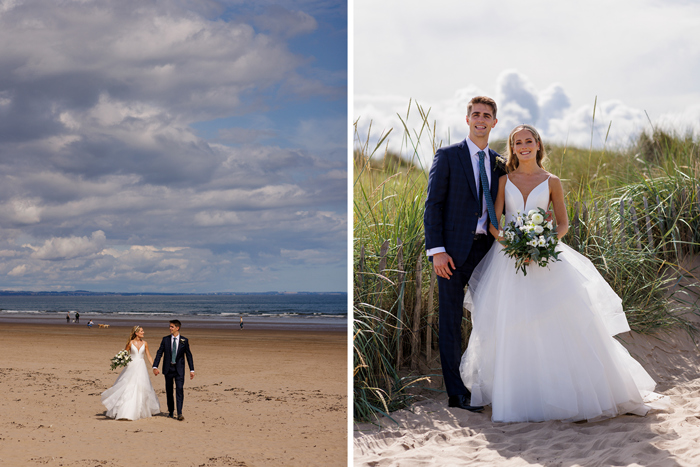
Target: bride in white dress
132,396
542,345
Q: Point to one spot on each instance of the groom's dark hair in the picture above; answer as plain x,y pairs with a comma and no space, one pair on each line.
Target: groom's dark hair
482,100
176,323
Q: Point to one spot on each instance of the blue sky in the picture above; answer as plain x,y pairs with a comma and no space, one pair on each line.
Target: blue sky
544,61
173,146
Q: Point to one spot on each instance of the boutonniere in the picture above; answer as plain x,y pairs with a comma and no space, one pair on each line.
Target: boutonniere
501,162
183,339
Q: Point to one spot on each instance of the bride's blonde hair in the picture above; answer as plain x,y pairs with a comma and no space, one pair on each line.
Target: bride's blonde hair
132,335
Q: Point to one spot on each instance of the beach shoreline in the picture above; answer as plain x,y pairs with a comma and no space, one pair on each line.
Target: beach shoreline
281,323
259,397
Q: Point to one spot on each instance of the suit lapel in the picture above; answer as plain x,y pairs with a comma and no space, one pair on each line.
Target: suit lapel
466,160
494,180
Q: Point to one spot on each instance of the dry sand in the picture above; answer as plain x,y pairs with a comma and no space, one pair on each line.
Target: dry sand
258,398
432,434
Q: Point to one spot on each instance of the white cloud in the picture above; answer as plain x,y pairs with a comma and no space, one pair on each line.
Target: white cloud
283,22
216,218
519,101
547,76
553,102
20,270
23,210
58,248
115,169
684,122
310,256
515,89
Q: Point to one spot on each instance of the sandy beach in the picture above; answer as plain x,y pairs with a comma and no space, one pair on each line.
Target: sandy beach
259,397
432,434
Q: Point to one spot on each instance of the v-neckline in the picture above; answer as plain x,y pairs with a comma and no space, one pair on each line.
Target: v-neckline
523,197
138,349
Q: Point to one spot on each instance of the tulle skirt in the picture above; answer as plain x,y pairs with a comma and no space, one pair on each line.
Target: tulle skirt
132,396
542,345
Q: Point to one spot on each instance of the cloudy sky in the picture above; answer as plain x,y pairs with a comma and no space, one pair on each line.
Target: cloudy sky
544,62
173,145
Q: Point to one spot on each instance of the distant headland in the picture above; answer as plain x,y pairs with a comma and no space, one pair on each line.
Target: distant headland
72,293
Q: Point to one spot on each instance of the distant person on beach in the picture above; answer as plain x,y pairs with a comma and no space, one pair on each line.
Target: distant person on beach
77,317
174,348
89,324
241,322
68,317
132,396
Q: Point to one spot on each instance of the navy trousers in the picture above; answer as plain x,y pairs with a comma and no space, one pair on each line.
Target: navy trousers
171,377
451,293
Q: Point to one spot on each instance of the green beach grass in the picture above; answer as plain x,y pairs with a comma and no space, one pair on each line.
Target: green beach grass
643,261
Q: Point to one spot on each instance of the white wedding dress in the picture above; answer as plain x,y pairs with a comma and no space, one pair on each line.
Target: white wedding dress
132,396
542,345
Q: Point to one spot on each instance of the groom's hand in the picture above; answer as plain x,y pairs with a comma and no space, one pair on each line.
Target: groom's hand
155,371
442,263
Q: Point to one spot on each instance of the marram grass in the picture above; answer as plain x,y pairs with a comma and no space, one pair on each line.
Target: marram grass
642,261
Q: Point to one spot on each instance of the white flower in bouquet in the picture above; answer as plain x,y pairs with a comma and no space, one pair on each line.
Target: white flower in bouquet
122,358
530,239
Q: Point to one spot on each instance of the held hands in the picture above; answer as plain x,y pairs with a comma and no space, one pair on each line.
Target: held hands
500,238
442,262
155,371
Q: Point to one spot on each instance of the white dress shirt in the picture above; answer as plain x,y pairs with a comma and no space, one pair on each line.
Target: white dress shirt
482,223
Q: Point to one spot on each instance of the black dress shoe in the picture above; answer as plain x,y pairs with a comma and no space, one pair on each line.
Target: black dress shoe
170,415
462,401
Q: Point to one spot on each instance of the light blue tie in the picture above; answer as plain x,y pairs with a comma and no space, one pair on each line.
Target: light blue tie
485,189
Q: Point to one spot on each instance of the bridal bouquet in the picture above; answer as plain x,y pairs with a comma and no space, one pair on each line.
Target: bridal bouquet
531,238
122,358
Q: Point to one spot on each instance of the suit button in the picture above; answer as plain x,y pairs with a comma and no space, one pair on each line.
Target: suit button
473,231
476,213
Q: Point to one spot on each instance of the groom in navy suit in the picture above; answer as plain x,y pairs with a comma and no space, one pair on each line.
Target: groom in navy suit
174,348
456,230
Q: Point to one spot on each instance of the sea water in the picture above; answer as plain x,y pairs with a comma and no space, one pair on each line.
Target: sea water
271,310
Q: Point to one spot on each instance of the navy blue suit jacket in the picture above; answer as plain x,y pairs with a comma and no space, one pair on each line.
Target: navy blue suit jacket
452,206
183,351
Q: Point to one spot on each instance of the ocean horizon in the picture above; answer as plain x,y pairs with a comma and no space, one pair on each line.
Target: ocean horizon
272,309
